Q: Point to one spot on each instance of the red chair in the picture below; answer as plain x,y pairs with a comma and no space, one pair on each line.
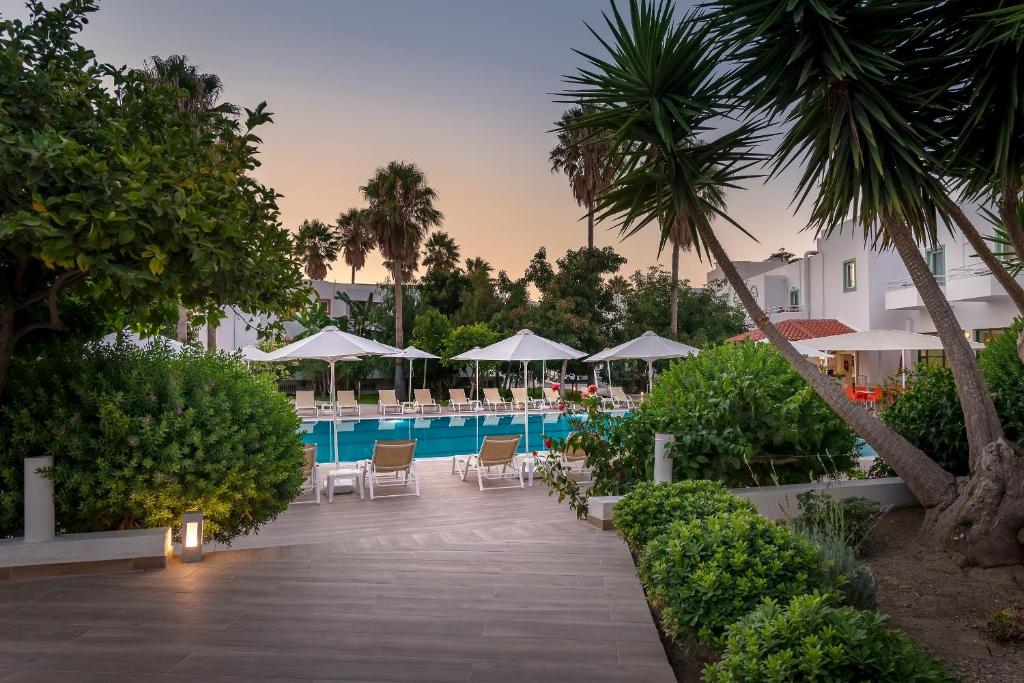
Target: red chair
876,396
851,394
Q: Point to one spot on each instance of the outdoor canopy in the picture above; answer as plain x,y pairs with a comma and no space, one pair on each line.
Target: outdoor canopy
469,356
647,347
251,353
142,342
525,346
801,348
411,353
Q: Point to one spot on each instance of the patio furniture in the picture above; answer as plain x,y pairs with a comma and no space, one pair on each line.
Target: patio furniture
521,399
493,399
552,397
619,398
392,458
496,451
388,400
305,401
347,401
309,468
424,400
341,472
572,456
459,401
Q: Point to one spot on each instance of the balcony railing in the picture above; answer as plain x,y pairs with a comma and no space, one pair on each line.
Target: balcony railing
908,283
784,309
975,270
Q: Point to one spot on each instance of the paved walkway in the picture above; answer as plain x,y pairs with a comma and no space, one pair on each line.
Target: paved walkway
456,585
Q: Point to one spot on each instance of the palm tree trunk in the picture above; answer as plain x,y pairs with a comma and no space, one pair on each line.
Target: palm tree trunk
353,274
590,225
980,416
930,484
182,329
561,378
399,331
673,298
1008,205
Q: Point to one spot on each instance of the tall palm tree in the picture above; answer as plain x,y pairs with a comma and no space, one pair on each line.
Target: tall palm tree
861,120
197,92
475,264
317,245
356,238
401,212
441,253
580,154
657,94
680,235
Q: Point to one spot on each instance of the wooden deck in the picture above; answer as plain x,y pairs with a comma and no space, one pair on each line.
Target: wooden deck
456,585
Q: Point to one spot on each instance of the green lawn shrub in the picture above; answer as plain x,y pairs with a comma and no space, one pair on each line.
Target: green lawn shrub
740,414
141,436
704,574
808,638
649,509
848,520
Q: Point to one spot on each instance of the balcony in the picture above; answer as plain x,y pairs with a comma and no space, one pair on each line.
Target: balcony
973,283
901,295
788,312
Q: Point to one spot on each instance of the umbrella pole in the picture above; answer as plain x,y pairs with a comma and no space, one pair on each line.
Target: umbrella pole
424,373
526,413
608,364
903,367
334,411
408,397
650,376
476,388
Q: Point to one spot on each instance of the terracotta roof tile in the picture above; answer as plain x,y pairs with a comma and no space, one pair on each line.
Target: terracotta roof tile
797,330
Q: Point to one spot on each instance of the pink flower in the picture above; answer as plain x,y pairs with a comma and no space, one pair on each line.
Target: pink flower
555,386
592,389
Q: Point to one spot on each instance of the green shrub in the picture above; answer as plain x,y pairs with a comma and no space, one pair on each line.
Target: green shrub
572,396
141,436
855,582
848,520
928,412
705,574
742,415
1006,625
647,511
809,639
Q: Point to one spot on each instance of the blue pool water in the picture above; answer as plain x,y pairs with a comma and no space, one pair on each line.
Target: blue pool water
435,436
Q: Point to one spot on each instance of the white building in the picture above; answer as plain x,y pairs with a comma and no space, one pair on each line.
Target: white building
240,329
845,280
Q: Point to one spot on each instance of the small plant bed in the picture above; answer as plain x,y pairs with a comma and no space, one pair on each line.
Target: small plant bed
949,611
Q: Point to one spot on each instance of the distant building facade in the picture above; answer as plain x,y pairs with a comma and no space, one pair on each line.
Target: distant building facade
846,280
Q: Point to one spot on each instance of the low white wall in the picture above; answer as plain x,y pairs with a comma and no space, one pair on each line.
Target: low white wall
101,546
779,502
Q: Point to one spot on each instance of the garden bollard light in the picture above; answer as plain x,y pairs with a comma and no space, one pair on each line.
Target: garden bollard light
192,537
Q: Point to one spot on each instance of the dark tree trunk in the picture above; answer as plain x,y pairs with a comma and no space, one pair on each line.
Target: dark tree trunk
929,483
182,328
561,378
673,299
211,336
1008,205
590,225
6,345
400,388
353,274
991,261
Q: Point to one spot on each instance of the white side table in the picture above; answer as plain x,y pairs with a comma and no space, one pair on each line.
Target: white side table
528,463
353,473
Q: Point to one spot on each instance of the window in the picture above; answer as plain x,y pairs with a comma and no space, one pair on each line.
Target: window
936,259
794,296
850,275
932,357
984,336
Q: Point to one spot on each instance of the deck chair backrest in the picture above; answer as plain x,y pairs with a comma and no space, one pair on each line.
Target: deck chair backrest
493,395
552,394
423,396
304,399
617,393
458,395
308,459
497,450
346,397
520,395
574,454
393,456
387,397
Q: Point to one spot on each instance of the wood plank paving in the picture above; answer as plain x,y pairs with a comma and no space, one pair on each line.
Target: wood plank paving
456,585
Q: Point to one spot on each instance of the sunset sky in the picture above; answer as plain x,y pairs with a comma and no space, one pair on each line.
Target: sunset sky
459,87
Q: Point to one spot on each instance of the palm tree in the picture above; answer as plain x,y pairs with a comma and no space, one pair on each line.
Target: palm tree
679,235
861,113
356,238
476,264
197,92
581,155
401,212
658,86
317,245
441,253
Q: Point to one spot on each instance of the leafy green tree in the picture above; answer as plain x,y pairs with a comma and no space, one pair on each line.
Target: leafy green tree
401,212
480,302
317,245
115,199
476,264
444,290
466,337
431,331
706,317
539,272
355,238
440,252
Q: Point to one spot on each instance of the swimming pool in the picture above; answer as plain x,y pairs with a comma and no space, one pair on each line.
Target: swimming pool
436,437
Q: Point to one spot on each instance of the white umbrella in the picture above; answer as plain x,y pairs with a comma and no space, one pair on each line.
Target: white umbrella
469,355
142,342
883,340
802,349
526,346
411,353
647,347
331,344
251,353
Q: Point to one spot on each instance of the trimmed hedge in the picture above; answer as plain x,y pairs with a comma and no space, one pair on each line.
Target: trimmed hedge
809,639
649,509
141,436
706,573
